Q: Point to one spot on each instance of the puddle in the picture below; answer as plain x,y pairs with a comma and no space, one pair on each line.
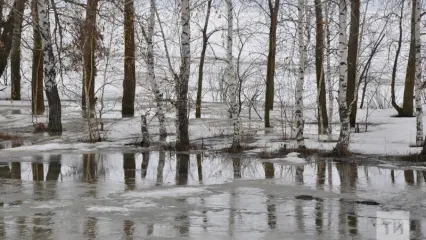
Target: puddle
16,111
201,196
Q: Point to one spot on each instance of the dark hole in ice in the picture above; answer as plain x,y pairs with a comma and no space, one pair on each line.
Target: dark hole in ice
14,203
363,202
308,198
368,202
16,111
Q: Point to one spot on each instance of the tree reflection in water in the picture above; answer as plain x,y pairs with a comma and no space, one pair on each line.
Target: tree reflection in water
129,228
182,167
298,205
271,210
90,171
200,167
129,169
145,163
319,205
232,208
160,167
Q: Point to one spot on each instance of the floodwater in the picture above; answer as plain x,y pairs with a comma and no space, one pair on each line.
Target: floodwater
160,195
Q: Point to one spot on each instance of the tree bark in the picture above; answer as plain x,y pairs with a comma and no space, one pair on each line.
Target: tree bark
342,146
300,121
232,81
407,105
319,66
418,75
270,74
352,93
7,33
151,73
37,96
15,57
55,123
395,64
89,47
202,58
129,83
330,87
182,80
1,14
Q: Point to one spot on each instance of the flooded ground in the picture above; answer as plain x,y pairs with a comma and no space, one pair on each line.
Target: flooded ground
160,195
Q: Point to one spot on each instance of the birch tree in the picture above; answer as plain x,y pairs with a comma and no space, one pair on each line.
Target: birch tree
300,122
49,64
328,71
182,80
342,146
418,74
232,81
158,96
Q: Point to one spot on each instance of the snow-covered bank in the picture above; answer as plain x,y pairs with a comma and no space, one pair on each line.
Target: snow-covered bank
386,135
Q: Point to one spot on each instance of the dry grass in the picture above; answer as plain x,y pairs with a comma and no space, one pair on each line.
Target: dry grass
7,136
238,149
413,157
171,146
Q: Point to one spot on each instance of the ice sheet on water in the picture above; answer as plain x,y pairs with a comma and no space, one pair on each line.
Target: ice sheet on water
292,159
51,205
388,166
140,204
167,192
107,209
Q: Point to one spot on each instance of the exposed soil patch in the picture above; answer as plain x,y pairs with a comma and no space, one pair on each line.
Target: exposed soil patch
415,157
7,136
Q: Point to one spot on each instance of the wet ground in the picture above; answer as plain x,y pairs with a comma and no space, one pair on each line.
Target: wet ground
160,195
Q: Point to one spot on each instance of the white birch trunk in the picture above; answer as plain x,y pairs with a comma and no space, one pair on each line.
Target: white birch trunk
182,80
343,142
301,76
49,59
418,76
151,74
51,90
231,79
328,73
